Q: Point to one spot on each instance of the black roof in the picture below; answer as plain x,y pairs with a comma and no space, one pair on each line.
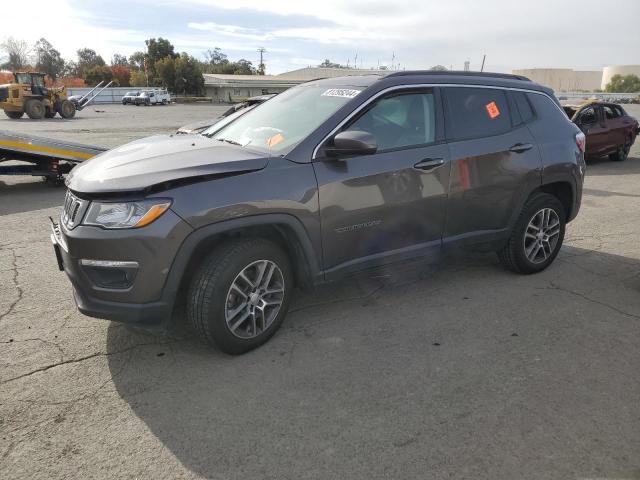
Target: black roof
456,73
435,77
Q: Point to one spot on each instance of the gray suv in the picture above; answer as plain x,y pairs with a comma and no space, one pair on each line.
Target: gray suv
328,178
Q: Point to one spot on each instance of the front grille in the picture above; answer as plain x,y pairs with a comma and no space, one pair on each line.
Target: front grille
73,210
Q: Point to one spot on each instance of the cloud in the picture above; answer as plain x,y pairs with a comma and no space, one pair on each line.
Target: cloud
420,33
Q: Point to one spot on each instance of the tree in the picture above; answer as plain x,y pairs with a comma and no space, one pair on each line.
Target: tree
189,77
623,84
329,64
166,70
215,57
243,67
136,60
17,52
181,75
438,68
138,79
97,74
48,59
157,49
88,59
119,60
121,75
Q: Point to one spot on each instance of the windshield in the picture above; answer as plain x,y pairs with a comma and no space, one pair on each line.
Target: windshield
281,123
224,121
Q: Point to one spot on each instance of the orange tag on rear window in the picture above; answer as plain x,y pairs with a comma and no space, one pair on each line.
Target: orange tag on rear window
492,110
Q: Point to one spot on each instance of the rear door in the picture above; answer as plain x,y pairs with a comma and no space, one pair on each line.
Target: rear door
494,162
593,125
615,125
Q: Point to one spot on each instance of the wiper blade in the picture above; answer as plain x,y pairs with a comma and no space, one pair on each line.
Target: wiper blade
232,142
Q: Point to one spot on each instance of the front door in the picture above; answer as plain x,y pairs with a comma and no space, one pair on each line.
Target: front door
387,205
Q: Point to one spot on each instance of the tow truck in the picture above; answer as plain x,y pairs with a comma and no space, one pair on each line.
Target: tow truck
44,157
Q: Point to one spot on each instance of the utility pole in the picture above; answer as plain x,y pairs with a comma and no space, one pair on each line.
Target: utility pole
261,67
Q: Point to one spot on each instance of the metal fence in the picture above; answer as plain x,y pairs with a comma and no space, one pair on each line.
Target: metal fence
608,97
109,95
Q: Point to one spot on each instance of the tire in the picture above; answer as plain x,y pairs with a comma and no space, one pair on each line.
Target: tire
164,102
513,255
34,108
13,115
124,102
211,300
623,152
67,109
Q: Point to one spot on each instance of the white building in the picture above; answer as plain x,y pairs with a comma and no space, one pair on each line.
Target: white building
612,70
564,79
236,88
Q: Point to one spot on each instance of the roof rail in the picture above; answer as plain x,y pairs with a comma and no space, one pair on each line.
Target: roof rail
456,73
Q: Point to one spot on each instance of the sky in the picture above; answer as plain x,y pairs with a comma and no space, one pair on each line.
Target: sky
413,34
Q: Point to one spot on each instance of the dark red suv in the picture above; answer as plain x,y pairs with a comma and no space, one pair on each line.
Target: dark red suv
608,128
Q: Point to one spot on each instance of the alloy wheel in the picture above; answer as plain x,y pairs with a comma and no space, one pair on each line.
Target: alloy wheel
541,235
254,299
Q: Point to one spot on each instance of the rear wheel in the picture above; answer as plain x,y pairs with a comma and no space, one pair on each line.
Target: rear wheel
13,115
622,153
67,109
239,296
35,108
537,235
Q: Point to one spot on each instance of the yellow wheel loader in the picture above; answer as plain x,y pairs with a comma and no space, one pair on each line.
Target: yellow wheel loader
28,94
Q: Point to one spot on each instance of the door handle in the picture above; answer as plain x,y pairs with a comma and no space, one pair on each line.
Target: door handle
521,147
429,163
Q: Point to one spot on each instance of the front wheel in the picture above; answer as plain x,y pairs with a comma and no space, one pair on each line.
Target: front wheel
537,235
240,295
67,109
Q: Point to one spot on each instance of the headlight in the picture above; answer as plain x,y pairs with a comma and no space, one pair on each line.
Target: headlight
125,214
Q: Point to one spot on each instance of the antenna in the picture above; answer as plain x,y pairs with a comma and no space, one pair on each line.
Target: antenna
484,57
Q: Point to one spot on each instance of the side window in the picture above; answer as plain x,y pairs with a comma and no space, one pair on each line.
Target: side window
523,105
588,116
609,112
476,112
399,121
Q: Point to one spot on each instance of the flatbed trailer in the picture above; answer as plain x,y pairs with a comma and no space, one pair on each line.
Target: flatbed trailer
45,157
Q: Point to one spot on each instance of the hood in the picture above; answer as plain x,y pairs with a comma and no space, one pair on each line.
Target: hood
153,160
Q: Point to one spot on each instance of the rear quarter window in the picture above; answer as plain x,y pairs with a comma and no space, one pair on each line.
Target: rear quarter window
524,107
476,112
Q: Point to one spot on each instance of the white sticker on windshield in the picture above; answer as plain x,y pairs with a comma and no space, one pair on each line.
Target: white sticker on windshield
341,92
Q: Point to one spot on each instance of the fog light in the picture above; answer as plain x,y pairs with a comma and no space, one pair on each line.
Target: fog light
115,274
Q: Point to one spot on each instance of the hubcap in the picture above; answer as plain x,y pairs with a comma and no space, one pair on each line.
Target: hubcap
541,235
254,299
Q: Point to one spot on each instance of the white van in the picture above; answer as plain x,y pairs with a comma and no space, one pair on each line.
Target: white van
153,97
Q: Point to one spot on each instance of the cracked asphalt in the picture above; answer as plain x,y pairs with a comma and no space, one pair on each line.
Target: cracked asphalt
455,370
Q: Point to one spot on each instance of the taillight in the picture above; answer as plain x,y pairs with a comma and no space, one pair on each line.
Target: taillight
581,141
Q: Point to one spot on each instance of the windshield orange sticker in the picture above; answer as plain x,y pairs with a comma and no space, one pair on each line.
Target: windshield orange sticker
276,139
492,110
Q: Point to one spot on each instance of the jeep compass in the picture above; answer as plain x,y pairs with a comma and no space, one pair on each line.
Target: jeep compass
328,178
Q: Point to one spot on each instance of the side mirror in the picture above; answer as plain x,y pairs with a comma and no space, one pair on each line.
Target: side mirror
352,142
